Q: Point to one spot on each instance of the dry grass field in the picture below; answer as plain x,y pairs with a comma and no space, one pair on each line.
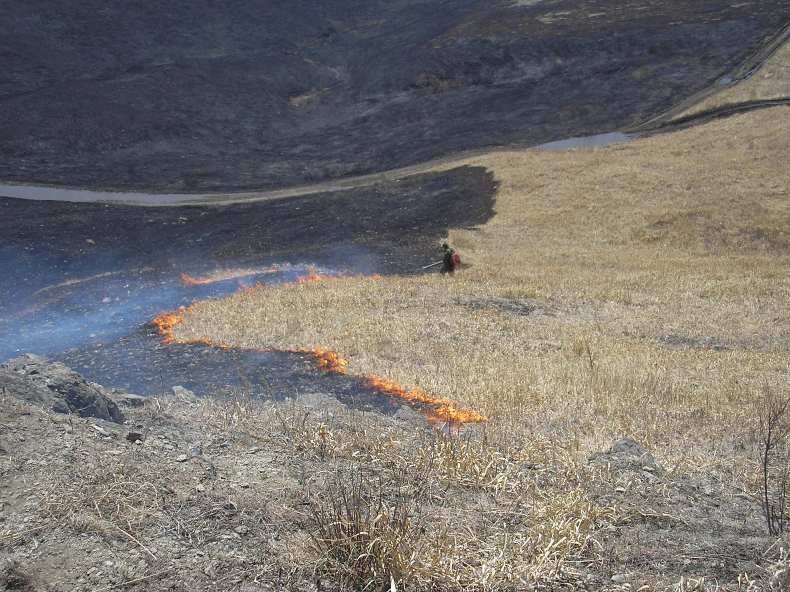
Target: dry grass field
635,294
638,290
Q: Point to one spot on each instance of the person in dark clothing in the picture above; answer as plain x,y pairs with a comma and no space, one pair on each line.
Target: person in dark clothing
451,260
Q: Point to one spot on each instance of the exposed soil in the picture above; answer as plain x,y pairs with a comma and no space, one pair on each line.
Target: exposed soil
192,495
193,96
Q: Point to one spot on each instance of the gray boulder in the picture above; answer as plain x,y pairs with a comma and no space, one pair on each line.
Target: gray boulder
51,384
125,399
627,454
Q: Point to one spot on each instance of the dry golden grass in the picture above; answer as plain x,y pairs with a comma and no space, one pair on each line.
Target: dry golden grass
686,235
637,290
771,81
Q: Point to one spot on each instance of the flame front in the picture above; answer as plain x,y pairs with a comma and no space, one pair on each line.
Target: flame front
313,276
166,322
437,409
330,360
227,274
441,408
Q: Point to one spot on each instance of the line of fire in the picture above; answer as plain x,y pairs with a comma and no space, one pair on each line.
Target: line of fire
437,409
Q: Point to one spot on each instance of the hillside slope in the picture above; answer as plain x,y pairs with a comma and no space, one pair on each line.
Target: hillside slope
203,95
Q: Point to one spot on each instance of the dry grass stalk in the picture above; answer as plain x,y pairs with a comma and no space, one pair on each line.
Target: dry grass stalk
366,540
774,437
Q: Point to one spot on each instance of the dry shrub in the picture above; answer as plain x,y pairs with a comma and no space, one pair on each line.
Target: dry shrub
468,462
365,535
459,512
774,437
529,545
305,432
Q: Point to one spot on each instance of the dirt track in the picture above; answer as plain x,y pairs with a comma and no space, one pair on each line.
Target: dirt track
666,122
742,72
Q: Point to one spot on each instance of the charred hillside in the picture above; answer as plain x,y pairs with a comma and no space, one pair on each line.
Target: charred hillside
248,94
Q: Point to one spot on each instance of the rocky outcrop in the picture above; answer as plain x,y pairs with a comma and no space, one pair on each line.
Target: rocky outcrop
53,385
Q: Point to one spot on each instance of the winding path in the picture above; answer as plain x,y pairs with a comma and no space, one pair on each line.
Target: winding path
672,118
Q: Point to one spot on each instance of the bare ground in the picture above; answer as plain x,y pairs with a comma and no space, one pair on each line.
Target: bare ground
229,495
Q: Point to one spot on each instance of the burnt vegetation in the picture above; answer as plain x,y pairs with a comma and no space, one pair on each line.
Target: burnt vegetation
618,335
197,95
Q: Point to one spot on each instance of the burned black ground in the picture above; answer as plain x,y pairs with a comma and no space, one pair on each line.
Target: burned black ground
191,96
88,278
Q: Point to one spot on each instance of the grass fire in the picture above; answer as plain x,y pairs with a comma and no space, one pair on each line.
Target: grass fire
570,375
437,409
566,337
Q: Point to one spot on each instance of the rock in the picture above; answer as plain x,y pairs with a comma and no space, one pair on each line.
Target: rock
101,430
619,578
182,458
37,380
183,393
134,437
128,399
627,454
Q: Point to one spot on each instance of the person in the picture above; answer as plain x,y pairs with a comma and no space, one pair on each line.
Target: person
451,260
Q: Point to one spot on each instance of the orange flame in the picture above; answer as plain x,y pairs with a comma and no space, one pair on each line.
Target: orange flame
440,409
234,274
312,276
227,274
330,361
191,280
166,322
